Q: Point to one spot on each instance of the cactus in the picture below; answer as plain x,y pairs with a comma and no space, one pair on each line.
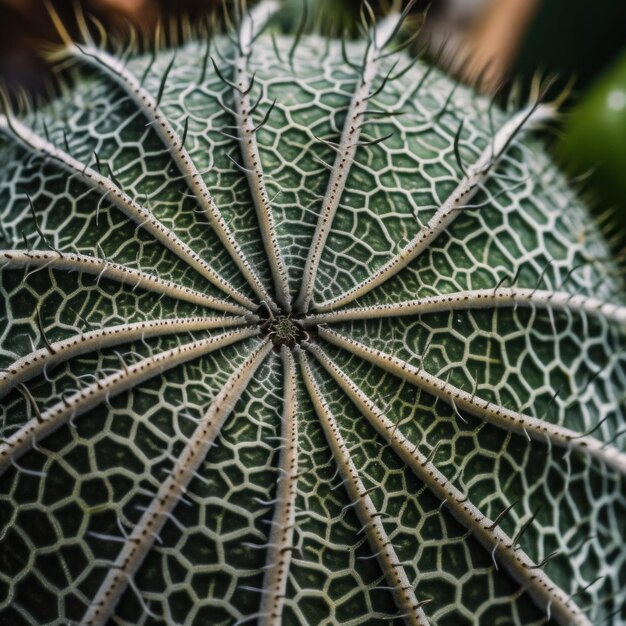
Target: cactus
298,331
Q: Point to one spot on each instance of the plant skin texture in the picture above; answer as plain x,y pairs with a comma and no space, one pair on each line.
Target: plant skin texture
301,332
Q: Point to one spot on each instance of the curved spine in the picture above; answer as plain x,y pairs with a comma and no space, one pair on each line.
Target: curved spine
446,214
346,151
251,24
283,523
73,262
175,144
133,210
50,420
44,359
369,517
143,536
548,596
477,299
507,419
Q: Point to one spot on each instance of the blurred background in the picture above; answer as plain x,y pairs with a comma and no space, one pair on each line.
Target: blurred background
495,45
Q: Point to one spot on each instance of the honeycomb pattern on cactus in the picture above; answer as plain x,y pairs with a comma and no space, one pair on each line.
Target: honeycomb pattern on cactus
297,332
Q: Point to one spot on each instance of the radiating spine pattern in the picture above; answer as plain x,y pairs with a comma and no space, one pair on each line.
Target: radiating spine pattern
299,331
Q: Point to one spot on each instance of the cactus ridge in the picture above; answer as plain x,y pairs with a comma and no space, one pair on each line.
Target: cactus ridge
260,364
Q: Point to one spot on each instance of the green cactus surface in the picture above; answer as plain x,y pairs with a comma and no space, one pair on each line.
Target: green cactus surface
297,331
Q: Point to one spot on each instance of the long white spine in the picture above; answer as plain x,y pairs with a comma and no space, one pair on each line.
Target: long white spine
504,418
83,263
148,105
45,359
284,520
453,206
132,209
367,513
346,151
76,404
500,297
143,536
548,596
251,24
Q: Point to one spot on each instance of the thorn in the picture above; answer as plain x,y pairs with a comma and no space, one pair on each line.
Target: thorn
265,117
51,350
185,129
322,162
101,30
522,123
569,275
404,70
29,472
205,59
21,387
112,177
275,46
250,86
457,152
254,107
545,560
38,229
374,142
98,165
402,18
431,454
593,428
239,166
225,108
65,141
344,55
552,399
221,76
541,277
370,11
365,26
164,79
501,516
148,67
383,83
525,527
403,46
299,30
45,131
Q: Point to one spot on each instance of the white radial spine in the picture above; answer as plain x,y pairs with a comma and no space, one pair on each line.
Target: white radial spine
251,24
546,594
367,513
504,418
133,210
117,71
283,523
142,538
477,299
45,359
76,404
346,150
83,263
475,175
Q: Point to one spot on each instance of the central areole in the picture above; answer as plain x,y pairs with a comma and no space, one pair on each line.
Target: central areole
283,329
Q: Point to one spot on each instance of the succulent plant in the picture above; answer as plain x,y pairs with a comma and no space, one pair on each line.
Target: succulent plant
301,332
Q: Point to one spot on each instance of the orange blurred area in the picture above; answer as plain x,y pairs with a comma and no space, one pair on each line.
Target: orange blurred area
486,31
26,24
481,41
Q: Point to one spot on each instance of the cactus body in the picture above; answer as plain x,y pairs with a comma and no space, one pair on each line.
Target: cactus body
299,349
